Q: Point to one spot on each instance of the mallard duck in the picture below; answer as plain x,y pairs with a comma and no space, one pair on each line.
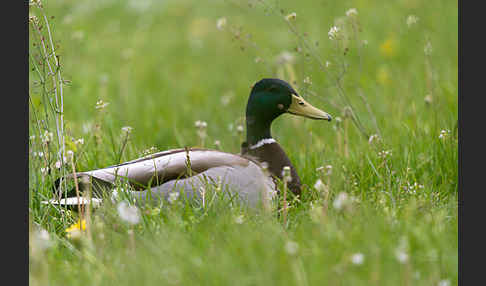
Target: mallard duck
251,174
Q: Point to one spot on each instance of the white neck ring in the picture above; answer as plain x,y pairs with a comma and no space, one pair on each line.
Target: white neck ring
262,142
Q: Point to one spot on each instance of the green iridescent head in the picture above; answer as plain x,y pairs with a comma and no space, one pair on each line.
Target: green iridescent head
270,98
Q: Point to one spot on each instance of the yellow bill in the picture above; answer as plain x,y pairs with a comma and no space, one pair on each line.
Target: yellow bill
302,108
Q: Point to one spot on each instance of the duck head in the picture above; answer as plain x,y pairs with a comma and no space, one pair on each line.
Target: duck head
270,98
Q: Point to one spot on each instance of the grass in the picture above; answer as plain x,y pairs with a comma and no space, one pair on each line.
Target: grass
162,67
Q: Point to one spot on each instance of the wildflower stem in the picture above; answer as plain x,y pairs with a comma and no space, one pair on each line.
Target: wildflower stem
188,162
125,141
86,180
285,203
337,80
346,151
80,210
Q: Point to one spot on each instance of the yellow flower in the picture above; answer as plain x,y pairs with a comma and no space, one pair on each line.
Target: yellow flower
74,230
382,75
388,47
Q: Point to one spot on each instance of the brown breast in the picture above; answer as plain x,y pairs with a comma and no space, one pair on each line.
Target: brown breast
276,159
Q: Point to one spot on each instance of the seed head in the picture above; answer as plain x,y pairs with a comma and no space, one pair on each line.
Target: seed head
291,16
286,174
127,129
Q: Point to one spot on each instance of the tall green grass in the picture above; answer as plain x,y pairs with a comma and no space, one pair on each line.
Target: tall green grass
161,66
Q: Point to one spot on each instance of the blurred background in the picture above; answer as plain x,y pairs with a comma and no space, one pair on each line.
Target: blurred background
162,65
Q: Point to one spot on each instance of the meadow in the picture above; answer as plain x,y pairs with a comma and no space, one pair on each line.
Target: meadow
380,202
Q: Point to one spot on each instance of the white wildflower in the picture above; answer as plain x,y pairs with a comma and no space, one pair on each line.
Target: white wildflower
70,154
341,201
44,170
80,141
46,137
221,23
291,247
41,239
33,18
444,282
173,197
100,104
307,80
384,154
239,129
444,133
240,219
333,33
58,164
352,12
127,129
412,20
200,124
412,188
87,127
285,57
40,154
357,258
374,137
401,253
149,151
32,137
291,16
364,42
128,213
328,64
227,97
328,169
401,256
286,174
320,186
